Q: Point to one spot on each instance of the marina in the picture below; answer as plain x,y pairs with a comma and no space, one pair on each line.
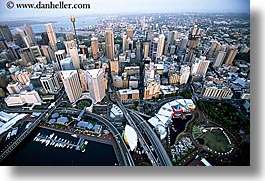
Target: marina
57,142
32,152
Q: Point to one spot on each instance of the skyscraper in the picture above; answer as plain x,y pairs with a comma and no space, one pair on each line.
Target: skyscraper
160,49
51,36
48,53
35,50
71,84
67,64
24,37
114,66
200,66
30,34
95,80
214,49
60,55
70,44
109,39
94,47
129,32
124,41
74,54
146,49
219,59
6,33
50,83
26,55
184,74
230,55
154,48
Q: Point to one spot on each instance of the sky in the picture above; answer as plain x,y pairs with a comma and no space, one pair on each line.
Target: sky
127,6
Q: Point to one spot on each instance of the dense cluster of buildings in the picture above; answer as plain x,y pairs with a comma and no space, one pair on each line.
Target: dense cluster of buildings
140,53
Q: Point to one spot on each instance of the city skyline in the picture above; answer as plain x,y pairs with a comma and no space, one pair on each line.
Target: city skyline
126,7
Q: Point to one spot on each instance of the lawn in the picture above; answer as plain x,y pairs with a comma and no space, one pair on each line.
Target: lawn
196,131
217,141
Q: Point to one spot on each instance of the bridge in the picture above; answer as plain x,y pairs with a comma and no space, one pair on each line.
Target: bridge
141,139
6,152
161,153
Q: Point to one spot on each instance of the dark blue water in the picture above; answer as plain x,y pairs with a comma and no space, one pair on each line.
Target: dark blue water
31,153
179,125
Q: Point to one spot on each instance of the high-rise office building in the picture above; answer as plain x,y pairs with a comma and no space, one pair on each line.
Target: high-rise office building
124,42
24,37
146,49
44,38
171,37
161,44
129,32
219,59
26,55
67,63
75,57
6,33
59,55
129,44
69,44
138,50
30,35
184,74
215,47
71,84
114,66
83,50
200,66
50,83
51,36
35,50
94,48
48,53
230,55
95,80
109,39
154,48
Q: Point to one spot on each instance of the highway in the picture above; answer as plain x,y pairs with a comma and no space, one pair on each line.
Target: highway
128,161
156,143
122,146
141,139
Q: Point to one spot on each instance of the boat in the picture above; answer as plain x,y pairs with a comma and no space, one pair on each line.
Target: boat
14,131
8,135
27,126
74,135
51,135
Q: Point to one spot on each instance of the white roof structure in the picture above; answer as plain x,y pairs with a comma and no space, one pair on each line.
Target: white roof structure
130,137
10,123
164,114
128,91
6,117
115,111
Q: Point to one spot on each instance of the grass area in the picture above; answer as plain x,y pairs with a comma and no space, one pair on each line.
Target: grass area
83,103
216,140
196,131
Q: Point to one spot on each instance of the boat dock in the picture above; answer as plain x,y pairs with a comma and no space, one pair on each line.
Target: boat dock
53,140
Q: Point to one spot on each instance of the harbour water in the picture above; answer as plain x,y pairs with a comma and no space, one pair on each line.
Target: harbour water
60,24
31,153
179,126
